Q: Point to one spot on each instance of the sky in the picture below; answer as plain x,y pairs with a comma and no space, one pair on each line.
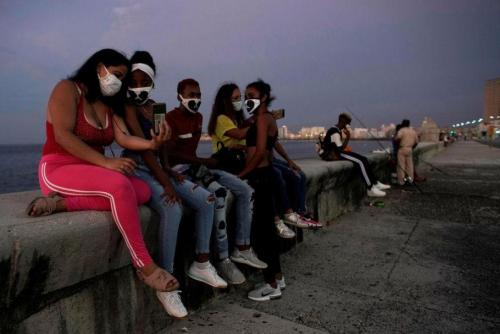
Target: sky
383,59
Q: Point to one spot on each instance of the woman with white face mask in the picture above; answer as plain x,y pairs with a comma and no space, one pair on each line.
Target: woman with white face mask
75,174
168,188
226,125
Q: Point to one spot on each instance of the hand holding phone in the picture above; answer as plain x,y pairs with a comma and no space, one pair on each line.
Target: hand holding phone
159,113
278,113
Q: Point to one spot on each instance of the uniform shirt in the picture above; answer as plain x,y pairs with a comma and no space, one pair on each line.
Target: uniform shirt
407,137
333,140
224,124
186,133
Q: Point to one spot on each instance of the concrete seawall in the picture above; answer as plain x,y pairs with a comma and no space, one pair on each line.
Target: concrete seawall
71,273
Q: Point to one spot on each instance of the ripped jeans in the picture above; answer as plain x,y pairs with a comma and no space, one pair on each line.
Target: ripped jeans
220,185
193,196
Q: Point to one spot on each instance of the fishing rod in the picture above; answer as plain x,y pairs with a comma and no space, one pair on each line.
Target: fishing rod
384,149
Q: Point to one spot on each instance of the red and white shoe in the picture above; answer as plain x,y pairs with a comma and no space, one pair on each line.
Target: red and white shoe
313,224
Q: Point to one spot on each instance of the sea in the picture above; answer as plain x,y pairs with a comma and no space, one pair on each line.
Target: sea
19,163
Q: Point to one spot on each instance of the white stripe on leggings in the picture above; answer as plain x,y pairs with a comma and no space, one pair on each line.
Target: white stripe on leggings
360,163
68,191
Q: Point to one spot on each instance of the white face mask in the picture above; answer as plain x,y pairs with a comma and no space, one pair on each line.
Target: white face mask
237,105
190,104
252,105
139,95
110,84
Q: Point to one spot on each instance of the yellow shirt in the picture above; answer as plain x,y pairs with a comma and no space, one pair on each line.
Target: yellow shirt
223,125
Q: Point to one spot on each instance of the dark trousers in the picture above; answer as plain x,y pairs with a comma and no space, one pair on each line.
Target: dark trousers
264,238
362,166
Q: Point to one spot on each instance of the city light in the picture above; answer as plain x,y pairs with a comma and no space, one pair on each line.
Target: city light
480,120
491,117
473,121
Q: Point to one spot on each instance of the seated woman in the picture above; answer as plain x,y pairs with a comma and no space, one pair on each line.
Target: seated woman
75,173
167,194
260,140
228,128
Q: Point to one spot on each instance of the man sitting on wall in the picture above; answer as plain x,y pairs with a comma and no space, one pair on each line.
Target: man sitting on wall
334,148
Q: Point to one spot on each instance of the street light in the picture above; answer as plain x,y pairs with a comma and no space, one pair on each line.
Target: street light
480,120
474,122
491,117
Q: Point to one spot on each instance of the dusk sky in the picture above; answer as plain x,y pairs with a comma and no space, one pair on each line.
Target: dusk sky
384,59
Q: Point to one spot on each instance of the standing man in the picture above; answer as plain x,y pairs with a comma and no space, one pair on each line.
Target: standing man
408,140
334,148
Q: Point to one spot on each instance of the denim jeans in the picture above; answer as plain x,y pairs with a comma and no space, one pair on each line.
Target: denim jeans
196,198
243,201
296,182
243,196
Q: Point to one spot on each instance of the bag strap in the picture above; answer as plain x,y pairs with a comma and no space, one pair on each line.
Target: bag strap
220,145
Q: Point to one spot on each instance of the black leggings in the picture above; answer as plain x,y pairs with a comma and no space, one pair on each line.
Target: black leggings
265,240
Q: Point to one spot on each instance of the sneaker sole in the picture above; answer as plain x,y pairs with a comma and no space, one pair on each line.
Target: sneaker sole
266,298
233,282
286,237
296,225
206,282
248,263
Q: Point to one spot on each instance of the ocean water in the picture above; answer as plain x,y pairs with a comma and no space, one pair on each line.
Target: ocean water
19,163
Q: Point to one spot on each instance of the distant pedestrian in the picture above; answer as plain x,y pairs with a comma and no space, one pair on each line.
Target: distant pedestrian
408,140
334,148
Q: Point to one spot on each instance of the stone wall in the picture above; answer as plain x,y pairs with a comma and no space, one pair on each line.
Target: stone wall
71,273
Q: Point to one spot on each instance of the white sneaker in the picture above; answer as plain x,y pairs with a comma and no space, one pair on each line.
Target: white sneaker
247,257
284,231
206,273
281,283
381,186
172,303
294,219
228,270
264,292
375,192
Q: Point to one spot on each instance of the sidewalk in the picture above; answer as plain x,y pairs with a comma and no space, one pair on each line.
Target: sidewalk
426,263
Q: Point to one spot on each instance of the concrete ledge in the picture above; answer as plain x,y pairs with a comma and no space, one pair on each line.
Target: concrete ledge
71,272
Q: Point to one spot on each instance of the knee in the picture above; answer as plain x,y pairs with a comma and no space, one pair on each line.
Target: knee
220,197
205,200
122,186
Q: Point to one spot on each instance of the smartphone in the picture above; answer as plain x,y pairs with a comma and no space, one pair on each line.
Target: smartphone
278,113
159,112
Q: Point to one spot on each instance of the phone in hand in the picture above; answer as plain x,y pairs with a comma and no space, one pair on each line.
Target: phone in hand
278,113
159,113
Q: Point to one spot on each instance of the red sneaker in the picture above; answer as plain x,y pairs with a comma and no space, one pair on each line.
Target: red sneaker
312,224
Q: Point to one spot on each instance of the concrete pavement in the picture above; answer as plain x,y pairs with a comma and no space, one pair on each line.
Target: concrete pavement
425,263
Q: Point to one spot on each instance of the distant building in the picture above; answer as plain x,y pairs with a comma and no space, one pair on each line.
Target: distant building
312,132
283,132
360,133
429,130
492,100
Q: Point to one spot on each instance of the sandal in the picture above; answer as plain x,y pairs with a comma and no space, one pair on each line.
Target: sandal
43,205
160,280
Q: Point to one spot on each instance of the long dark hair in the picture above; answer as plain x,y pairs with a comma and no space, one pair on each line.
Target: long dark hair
223,106
87,75
264,89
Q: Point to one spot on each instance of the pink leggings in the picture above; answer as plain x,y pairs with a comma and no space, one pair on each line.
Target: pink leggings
89,187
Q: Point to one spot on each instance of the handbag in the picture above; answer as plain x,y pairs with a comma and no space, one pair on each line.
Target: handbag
231,160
